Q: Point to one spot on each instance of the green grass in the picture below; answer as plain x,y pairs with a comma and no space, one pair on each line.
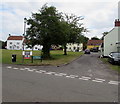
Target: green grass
57,57
114,67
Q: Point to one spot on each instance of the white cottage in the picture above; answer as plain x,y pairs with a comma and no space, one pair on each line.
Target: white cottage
112,40
16,43
76,47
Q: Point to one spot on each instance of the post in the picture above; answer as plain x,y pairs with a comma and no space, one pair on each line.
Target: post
23,37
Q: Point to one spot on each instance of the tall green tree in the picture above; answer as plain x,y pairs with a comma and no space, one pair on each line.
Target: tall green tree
44,28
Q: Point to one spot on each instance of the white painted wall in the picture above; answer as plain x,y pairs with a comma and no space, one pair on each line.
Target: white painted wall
74,47
110,41
15,44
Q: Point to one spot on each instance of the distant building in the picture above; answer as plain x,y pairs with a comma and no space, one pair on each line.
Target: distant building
94,43
112,40
16,43
76,47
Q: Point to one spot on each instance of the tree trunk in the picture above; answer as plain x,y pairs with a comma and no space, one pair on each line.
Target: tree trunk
65,50
46,51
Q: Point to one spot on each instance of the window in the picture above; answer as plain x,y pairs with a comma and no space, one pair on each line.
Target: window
18,43
17,47
10,42
74,48
10,47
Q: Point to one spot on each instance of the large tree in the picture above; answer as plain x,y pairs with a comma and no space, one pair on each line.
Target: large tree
44,29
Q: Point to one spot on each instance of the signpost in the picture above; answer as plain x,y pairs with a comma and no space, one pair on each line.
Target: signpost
27,54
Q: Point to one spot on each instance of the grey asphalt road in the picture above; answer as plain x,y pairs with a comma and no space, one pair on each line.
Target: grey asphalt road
86,79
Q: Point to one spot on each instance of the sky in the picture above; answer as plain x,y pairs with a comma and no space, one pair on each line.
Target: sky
98,16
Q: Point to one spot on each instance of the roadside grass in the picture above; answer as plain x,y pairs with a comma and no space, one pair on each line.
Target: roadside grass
57,57
114,67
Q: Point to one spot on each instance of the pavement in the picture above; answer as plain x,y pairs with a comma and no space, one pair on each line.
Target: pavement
86,79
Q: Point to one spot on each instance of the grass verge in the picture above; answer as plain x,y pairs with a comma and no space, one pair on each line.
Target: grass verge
57,57
114,67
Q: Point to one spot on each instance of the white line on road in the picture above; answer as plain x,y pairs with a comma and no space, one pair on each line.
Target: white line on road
99,79
22,69
72,76
27,68
15,68
85,78
58,74
38,72
114,82
31,70
63,73
49,73
9,67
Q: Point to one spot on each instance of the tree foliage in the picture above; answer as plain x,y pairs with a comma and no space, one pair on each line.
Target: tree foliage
49,27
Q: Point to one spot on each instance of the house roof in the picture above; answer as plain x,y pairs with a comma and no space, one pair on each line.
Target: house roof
94,42
15,38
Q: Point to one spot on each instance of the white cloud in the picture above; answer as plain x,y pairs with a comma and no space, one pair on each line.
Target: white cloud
99,16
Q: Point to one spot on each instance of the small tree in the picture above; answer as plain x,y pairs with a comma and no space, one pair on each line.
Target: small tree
73,29
95,38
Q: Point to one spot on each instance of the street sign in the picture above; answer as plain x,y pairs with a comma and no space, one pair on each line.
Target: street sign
27,54
37,57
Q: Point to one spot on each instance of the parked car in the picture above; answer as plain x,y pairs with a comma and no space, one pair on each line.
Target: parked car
87,51
95,49
114,58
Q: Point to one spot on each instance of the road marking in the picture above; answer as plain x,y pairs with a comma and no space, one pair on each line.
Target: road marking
27,68
72,76
85,78
49,72
97,81
58,74
63,73
15,68
22,69
9,67
38,71
31,70
114,82
43,71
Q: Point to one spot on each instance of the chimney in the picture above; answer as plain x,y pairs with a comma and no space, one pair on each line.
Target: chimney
117,23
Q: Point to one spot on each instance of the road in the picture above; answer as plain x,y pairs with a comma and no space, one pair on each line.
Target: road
86,79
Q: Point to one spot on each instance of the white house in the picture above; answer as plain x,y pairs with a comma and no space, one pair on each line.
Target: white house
16,43
112,40
74,47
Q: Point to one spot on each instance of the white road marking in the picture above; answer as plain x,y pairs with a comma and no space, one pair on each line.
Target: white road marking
15,68
27,68
97,81
31,70
22,69
72,76
43,71
114,82
85,78
49,72
63,73
9,67
58,74
38,71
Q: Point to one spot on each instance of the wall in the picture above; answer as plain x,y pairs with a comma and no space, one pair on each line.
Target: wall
74,47
110,41
14,45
